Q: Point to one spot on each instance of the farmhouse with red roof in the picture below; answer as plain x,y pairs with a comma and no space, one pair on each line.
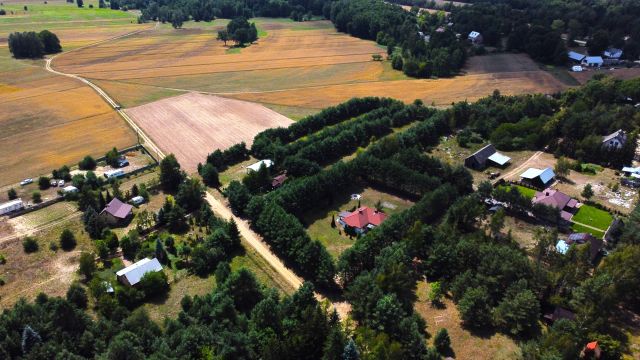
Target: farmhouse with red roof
362,219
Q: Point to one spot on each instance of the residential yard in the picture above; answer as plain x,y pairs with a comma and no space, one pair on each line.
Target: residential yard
465,344
593,216
449,151
334,239
583,229
524,191
235,172
521,231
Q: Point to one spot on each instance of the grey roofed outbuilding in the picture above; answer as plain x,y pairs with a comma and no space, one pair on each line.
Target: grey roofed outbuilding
132,274
576,56
478,160
499,158
545,175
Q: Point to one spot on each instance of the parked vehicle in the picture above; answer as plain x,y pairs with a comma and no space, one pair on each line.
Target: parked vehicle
53,182
61,183
26,181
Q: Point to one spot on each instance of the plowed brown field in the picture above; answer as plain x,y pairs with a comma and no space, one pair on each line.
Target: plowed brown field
194,125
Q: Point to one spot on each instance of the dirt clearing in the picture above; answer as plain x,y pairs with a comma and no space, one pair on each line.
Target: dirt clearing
193,125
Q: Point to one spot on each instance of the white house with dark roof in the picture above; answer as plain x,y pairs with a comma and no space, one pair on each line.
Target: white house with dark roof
132,274
615,140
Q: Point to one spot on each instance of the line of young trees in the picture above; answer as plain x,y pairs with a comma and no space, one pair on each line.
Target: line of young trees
33,45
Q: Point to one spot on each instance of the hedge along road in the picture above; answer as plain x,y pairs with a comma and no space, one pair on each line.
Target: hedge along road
249,236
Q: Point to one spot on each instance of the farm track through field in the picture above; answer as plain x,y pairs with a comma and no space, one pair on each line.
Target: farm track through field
40,228
250,237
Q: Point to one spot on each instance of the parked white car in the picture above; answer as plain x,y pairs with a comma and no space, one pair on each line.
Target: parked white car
26,181
61,183
53,182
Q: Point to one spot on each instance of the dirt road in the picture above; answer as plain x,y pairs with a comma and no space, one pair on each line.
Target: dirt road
251,238
521,166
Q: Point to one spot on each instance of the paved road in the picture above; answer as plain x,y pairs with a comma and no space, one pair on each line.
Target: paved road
251,238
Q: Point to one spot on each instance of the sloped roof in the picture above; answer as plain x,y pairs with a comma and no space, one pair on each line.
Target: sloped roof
629,169
552,197
255,167
278,180
499,158
134,272
363,217
474,34
594,60
613,53
118,209
483,154
562,247
545,175
614,135
580,238
576,56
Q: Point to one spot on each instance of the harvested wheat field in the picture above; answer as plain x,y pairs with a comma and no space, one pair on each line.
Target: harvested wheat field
292,66
193,125
49,121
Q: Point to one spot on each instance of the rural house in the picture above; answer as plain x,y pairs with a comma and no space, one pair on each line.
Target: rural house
488,154
579,238
593,61
538,178
116,212
475,38
615,140
278,180
613,53
256,167
11,206
362,219
559,313
558,200
562,247
132,274
576,57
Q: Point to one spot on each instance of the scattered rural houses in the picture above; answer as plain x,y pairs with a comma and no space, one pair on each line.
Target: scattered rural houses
558,200
11,206
615,140
362,219
538,178
576,57
255,167
278,180
593,61
475,38
488,155
116,212
562,246
132,274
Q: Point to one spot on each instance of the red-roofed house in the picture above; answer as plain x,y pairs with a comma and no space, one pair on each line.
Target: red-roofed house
554,198
591,351
362,220
116,212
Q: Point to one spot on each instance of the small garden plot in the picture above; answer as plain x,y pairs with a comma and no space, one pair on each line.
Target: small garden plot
319,222
594,217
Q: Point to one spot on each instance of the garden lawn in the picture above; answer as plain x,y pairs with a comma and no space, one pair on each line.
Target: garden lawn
593,216
525,191
583,229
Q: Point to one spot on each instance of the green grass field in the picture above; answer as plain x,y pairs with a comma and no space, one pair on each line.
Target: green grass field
583,229
59,12
592,216
525,191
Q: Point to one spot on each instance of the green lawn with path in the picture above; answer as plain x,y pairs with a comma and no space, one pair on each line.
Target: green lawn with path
593,216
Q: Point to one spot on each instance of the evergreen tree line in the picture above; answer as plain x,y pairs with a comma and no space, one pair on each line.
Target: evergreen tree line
33,45
240,319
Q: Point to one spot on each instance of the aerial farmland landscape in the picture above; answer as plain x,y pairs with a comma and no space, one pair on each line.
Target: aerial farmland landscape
326,179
